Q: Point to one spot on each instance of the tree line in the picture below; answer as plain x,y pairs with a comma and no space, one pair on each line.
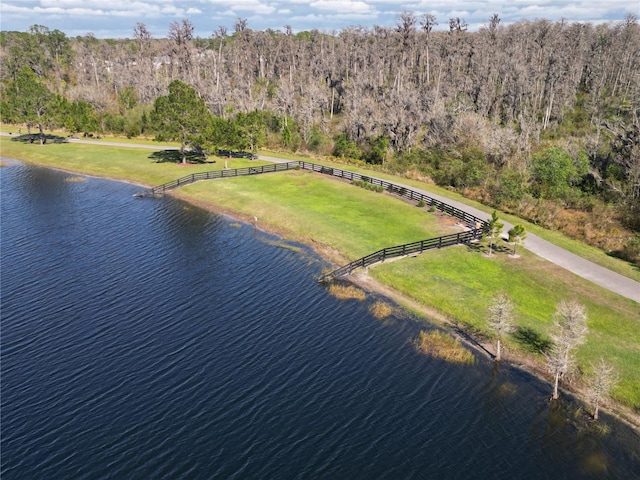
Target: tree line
539,118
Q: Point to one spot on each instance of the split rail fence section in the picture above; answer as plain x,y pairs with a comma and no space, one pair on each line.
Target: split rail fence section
477,225
414,248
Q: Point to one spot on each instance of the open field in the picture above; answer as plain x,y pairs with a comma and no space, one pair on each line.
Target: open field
343,223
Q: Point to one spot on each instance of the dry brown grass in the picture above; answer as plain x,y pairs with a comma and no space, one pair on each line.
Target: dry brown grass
381,309
599,227
345,292
443,346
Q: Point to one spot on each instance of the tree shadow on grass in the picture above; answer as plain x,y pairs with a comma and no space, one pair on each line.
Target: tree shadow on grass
35,138
625,256
174,156
531,340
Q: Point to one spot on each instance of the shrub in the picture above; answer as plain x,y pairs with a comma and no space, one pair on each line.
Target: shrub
345,292
367,186
381,309
443,346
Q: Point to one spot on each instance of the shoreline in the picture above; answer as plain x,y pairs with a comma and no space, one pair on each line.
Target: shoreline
363,280
522,361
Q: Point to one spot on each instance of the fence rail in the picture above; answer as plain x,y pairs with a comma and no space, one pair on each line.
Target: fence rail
403,250
214,174
400,190
478,225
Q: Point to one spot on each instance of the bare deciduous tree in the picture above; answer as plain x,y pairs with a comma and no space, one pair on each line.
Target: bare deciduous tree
240,25
600,383
570,320
501,320
427,22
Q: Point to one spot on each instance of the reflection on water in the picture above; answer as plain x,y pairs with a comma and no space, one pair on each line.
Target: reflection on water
151,339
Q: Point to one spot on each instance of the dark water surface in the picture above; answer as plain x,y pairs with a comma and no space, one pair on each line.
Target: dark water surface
151,339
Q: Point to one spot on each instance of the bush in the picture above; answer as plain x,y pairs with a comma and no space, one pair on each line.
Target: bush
367,186
443,346
555,172
317,141
381,309
345,148
631,251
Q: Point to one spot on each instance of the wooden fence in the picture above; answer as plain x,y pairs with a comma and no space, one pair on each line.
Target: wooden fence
400,190
403,250
214,174
477,225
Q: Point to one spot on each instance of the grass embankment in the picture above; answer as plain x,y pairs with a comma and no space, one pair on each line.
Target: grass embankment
459,283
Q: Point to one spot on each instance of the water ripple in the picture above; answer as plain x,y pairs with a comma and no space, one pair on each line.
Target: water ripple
151,339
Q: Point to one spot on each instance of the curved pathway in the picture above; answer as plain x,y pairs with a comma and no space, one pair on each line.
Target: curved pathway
604,277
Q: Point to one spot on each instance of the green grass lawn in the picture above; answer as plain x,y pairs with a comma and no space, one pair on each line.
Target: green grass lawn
588,252
121,163
307,205
459,282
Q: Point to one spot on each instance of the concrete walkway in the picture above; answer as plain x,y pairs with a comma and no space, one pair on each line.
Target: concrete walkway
584,268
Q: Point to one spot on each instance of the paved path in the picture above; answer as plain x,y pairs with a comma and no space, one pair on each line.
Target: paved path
595,273
584,268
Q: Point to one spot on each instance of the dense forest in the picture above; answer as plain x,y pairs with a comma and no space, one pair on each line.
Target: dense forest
538,118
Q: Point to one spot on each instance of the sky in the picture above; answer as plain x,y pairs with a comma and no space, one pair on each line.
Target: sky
117,18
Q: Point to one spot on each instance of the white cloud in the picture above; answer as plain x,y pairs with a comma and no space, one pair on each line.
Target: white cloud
342,6
76,17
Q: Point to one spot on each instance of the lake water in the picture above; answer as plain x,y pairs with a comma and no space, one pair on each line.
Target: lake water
151,339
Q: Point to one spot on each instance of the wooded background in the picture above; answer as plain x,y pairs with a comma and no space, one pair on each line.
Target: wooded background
539,118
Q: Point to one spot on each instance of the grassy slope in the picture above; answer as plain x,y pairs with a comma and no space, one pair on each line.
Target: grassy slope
351,220
458,282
